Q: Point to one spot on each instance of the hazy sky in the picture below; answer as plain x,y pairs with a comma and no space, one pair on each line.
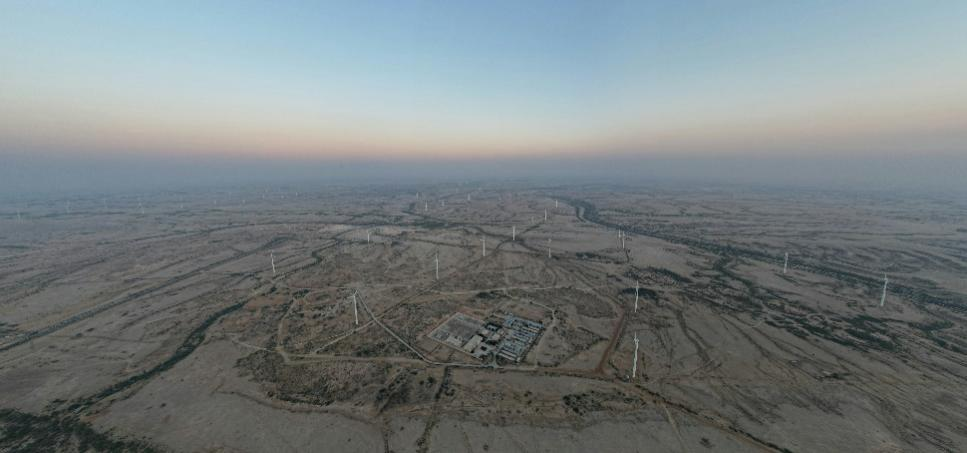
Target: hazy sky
399,80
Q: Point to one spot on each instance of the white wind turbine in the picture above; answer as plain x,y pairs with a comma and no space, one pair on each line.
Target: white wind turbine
355,311
634,366
885,282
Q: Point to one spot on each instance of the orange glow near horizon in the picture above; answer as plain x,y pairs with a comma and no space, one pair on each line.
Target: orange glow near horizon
474,82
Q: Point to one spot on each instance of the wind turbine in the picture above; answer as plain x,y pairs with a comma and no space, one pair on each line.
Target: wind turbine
885,282
484,239
355,311
367,236
513,232
785,264
545,214
426,206
555,204
272,257
634,366
548,247
437,261
18,215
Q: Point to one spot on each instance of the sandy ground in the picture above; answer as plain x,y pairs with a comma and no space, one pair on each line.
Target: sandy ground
170,329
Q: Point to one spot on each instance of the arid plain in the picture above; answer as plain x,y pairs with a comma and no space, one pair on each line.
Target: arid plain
288,319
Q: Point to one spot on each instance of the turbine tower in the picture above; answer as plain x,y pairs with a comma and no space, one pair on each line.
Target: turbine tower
355,311
426,206
513,230
484,239
545,214
437,261
548,247
785,264
272,257
555,204
885,282
367,236
634,366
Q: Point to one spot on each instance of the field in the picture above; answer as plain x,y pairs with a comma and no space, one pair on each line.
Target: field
225,320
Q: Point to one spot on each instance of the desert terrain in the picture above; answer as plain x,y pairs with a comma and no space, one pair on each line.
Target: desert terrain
484,317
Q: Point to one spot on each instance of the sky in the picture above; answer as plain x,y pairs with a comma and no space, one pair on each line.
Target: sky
124,84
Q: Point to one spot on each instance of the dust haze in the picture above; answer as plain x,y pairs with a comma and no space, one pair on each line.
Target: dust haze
439,307
32,174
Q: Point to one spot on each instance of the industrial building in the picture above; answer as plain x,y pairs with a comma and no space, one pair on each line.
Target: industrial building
508,337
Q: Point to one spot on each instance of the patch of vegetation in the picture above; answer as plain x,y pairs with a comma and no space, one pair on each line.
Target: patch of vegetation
932,331
395,393
7,329
489,295
24,432
678,278
323,384
589,256
582,403
592,401
872,339
194,339
429,224
643,292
